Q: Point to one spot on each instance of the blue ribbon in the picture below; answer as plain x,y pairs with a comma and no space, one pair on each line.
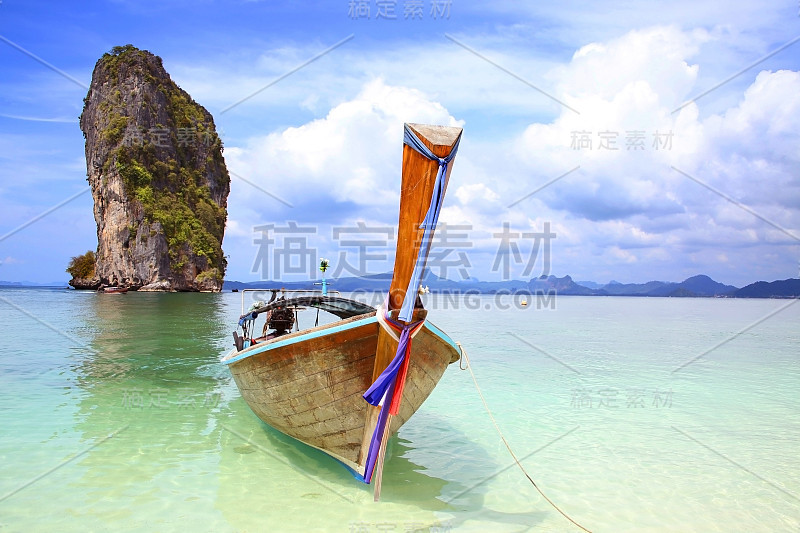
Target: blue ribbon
383,389
377,435
431,217
376,391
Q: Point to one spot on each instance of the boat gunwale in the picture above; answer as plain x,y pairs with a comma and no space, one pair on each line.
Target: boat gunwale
299,336
340,325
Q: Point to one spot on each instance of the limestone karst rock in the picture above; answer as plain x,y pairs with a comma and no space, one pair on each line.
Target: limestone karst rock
160,185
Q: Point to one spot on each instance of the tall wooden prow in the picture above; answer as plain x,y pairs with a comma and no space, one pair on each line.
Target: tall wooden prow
417,189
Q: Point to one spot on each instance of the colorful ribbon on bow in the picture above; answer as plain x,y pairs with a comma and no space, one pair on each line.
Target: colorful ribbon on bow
389,386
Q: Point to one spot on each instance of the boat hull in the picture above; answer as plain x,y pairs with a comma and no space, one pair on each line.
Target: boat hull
115,290
309,384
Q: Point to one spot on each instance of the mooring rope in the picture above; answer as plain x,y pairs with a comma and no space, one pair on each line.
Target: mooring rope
508,446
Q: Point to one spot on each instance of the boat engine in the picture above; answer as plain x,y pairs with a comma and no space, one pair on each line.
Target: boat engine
281,320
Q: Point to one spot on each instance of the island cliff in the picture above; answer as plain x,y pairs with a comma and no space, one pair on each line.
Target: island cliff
158,179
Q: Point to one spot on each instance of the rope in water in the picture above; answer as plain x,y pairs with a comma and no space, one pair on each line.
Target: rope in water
496,427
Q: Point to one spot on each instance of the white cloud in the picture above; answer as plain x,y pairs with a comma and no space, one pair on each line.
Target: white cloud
653,59
630,203
640,98
352,155
478,196
625,209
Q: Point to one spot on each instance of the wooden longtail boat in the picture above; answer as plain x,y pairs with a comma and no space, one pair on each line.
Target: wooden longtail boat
114,290
312,384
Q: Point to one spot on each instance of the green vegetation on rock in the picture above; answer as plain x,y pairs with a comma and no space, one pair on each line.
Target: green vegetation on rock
210,274
174,197
124,54
116,128
82,266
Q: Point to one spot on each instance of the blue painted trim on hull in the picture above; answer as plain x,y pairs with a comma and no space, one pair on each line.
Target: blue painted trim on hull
442,335
327,331
300,338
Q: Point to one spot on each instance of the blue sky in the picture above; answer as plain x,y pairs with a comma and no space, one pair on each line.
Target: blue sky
542,91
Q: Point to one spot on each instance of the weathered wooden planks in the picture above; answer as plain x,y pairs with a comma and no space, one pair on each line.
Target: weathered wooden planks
312,390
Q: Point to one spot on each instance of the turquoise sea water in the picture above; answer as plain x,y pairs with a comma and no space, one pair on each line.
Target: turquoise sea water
115,415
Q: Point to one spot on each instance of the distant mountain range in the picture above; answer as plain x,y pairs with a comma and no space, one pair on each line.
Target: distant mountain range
694,287
785,288
33,284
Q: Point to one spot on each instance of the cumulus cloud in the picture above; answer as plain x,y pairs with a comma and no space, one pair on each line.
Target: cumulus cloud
756,142
351,155
337,170
625,90
624,131
625,207
652,62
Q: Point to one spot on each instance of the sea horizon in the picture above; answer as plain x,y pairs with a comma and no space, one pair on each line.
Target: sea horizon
543,286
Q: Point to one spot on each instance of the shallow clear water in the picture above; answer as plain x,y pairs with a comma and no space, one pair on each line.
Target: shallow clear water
115,414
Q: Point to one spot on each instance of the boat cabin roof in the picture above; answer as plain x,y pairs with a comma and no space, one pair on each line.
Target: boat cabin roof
341,307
